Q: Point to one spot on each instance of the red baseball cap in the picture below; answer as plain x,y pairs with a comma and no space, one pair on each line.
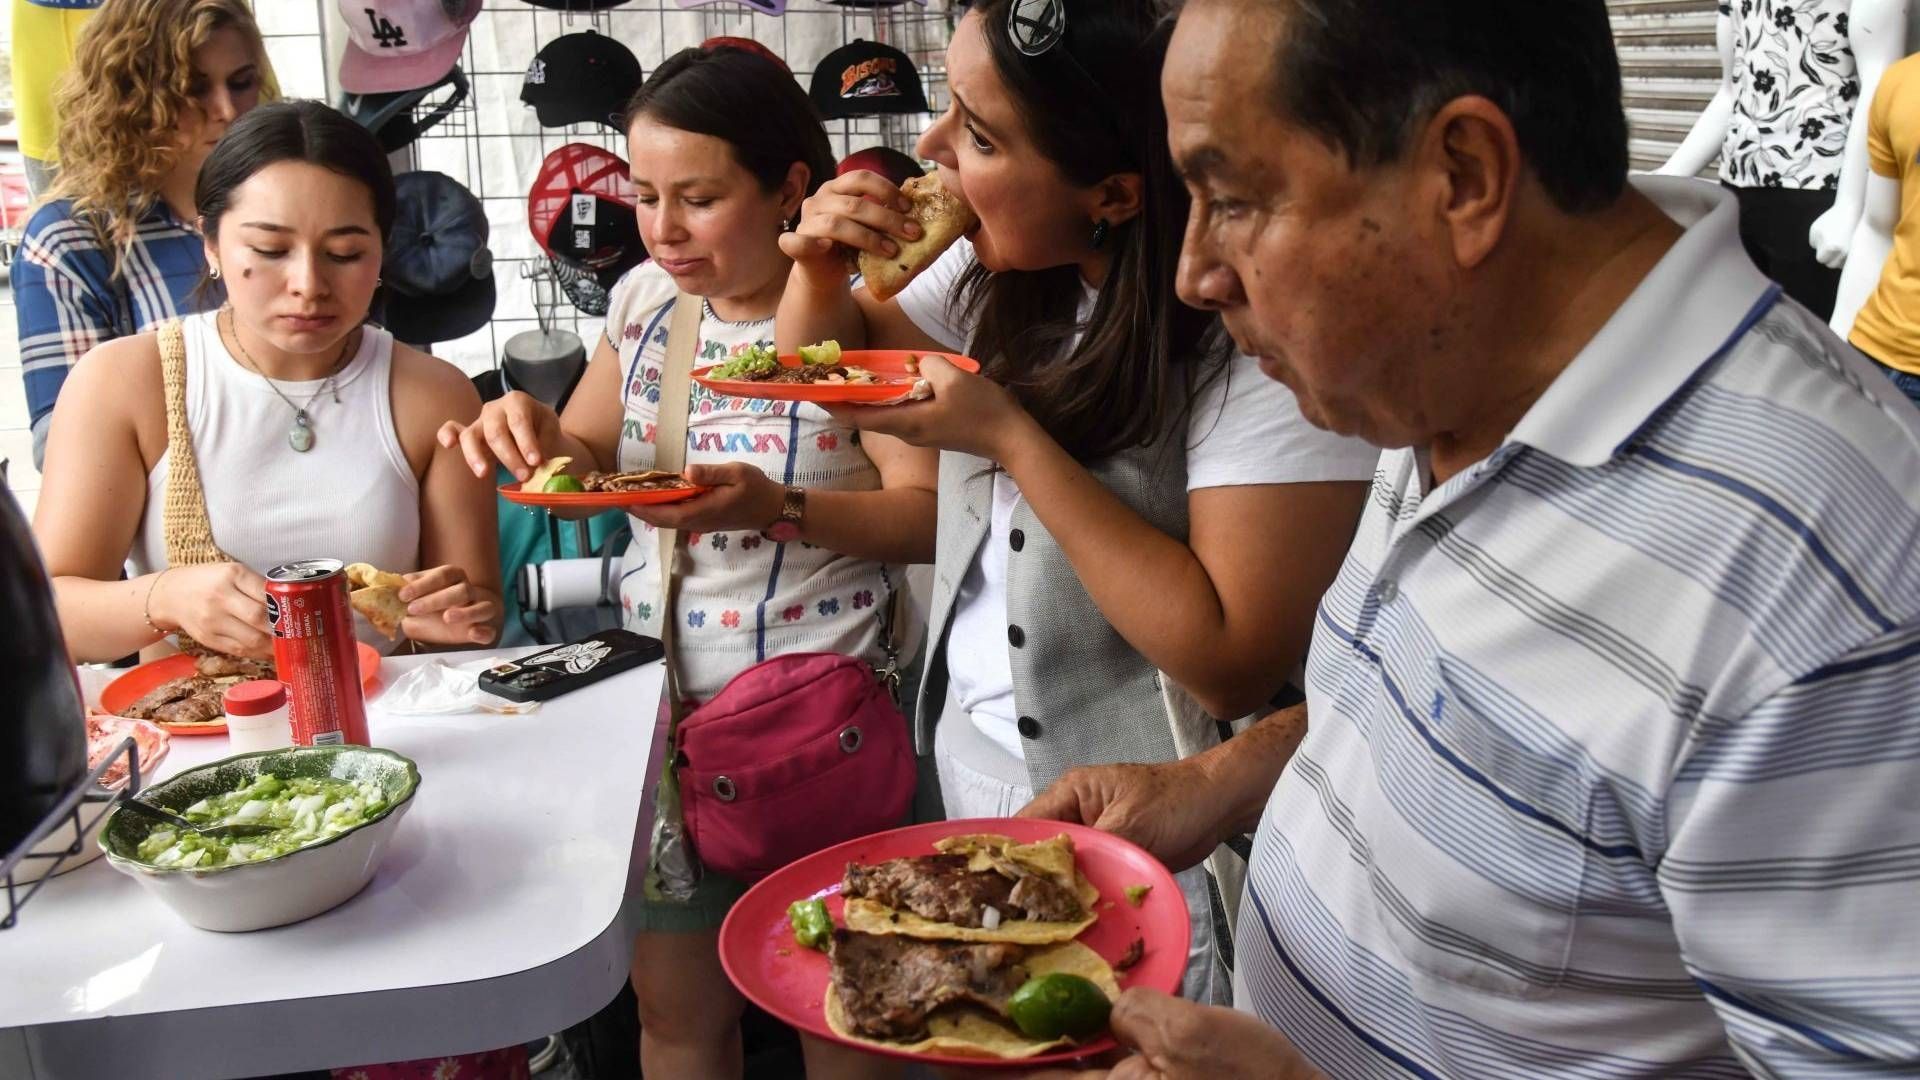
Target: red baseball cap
581,210
744,45
885,160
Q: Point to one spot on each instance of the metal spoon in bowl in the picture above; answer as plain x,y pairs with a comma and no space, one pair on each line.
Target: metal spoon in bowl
213,832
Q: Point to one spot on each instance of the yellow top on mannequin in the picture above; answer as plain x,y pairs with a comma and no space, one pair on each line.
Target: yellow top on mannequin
1888,325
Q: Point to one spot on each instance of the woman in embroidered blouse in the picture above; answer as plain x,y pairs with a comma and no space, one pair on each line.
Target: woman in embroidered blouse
724,146
113,251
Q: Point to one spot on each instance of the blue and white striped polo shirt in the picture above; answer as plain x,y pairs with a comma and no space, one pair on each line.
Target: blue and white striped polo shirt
1614,763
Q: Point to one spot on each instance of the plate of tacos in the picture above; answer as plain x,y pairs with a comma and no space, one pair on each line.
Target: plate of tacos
825,374
553,485
182,693
978,943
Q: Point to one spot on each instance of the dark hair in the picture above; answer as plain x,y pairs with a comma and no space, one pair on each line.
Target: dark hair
745,100
304,131
1092,105
1366,74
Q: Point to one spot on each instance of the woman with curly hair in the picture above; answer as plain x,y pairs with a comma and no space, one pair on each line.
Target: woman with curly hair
112,252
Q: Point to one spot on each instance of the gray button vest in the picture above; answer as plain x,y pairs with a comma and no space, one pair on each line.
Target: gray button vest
1083,695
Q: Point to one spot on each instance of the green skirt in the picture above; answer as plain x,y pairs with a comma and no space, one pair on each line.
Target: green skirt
706,910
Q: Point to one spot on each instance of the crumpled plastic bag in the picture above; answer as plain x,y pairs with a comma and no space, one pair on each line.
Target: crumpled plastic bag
439,688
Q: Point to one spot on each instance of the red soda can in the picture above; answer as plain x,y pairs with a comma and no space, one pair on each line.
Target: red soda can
315,652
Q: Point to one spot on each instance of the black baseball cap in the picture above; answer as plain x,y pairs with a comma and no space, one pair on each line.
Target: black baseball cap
866,78
581,78
395,118
438,269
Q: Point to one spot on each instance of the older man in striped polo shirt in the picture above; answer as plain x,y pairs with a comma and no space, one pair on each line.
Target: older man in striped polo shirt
1610,763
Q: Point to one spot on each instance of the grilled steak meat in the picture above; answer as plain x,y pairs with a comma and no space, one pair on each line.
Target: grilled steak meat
166,693
1044,901
941,888
651,480
888,984
196,699
202,707
936,887
217,665
805,373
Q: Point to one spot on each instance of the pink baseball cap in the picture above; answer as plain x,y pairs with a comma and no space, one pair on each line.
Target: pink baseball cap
395,45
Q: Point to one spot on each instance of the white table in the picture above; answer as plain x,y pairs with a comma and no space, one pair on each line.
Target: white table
501,913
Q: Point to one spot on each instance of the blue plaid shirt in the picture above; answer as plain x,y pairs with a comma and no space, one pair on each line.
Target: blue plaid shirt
67,300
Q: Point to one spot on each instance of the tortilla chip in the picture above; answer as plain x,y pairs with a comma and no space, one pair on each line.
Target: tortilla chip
549,469
382,607
972,1031
943,219
363,576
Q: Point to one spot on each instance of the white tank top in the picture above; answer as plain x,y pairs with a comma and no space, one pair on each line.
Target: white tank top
351,497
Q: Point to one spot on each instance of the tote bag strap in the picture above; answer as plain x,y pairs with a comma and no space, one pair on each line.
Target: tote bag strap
673,867
189,534
670,455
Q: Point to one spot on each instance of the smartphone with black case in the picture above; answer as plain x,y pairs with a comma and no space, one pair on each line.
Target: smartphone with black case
556,671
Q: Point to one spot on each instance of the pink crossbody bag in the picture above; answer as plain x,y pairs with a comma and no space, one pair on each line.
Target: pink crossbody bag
795,754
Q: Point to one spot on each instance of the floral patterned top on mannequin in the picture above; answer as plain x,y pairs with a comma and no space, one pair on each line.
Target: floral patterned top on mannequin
1795,90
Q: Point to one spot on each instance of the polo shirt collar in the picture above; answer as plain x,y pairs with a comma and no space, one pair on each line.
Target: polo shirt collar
1703,295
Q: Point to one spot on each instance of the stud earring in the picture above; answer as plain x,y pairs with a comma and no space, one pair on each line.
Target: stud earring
1100,234
214,273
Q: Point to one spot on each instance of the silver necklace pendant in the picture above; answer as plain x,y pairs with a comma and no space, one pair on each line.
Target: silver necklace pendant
300,435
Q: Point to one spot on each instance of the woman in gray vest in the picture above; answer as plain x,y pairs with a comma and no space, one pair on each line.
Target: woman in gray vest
1119,494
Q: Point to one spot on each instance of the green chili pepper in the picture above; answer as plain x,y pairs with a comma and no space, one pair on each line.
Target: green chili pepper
811,924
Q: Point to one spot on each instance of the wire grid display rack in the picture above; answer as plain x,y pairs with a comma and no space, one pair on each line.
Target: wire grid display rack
493,144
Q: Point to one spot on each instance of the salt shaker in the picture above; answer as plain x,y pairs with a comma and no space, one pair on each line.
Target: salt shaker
257,717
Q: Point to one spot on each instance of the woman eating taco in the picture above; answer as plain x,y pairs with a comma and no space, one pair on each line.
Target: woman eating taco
1120,496
279,426
798,545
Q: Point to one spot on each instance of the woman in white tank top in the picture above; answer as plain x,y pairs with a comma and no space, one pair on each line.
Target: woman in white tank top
313,430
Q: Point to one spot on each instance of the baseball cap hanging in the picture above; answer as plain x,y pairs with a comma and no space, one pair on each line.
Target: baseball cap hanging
764,7
581,211
576,5
392,117
581,78
743,45
885,160
402,44
437,267
866,78
583,290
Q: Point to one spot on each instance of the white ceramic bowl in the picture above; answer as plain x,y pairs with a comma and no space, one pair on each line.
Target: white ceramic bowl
282,889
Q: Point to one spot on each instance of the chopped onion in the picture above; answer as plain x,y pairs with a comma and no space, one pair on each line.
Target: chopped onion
990,917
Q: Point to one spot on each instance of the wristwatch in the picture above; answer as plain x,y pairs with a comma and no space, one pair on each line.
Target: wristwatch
786,527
